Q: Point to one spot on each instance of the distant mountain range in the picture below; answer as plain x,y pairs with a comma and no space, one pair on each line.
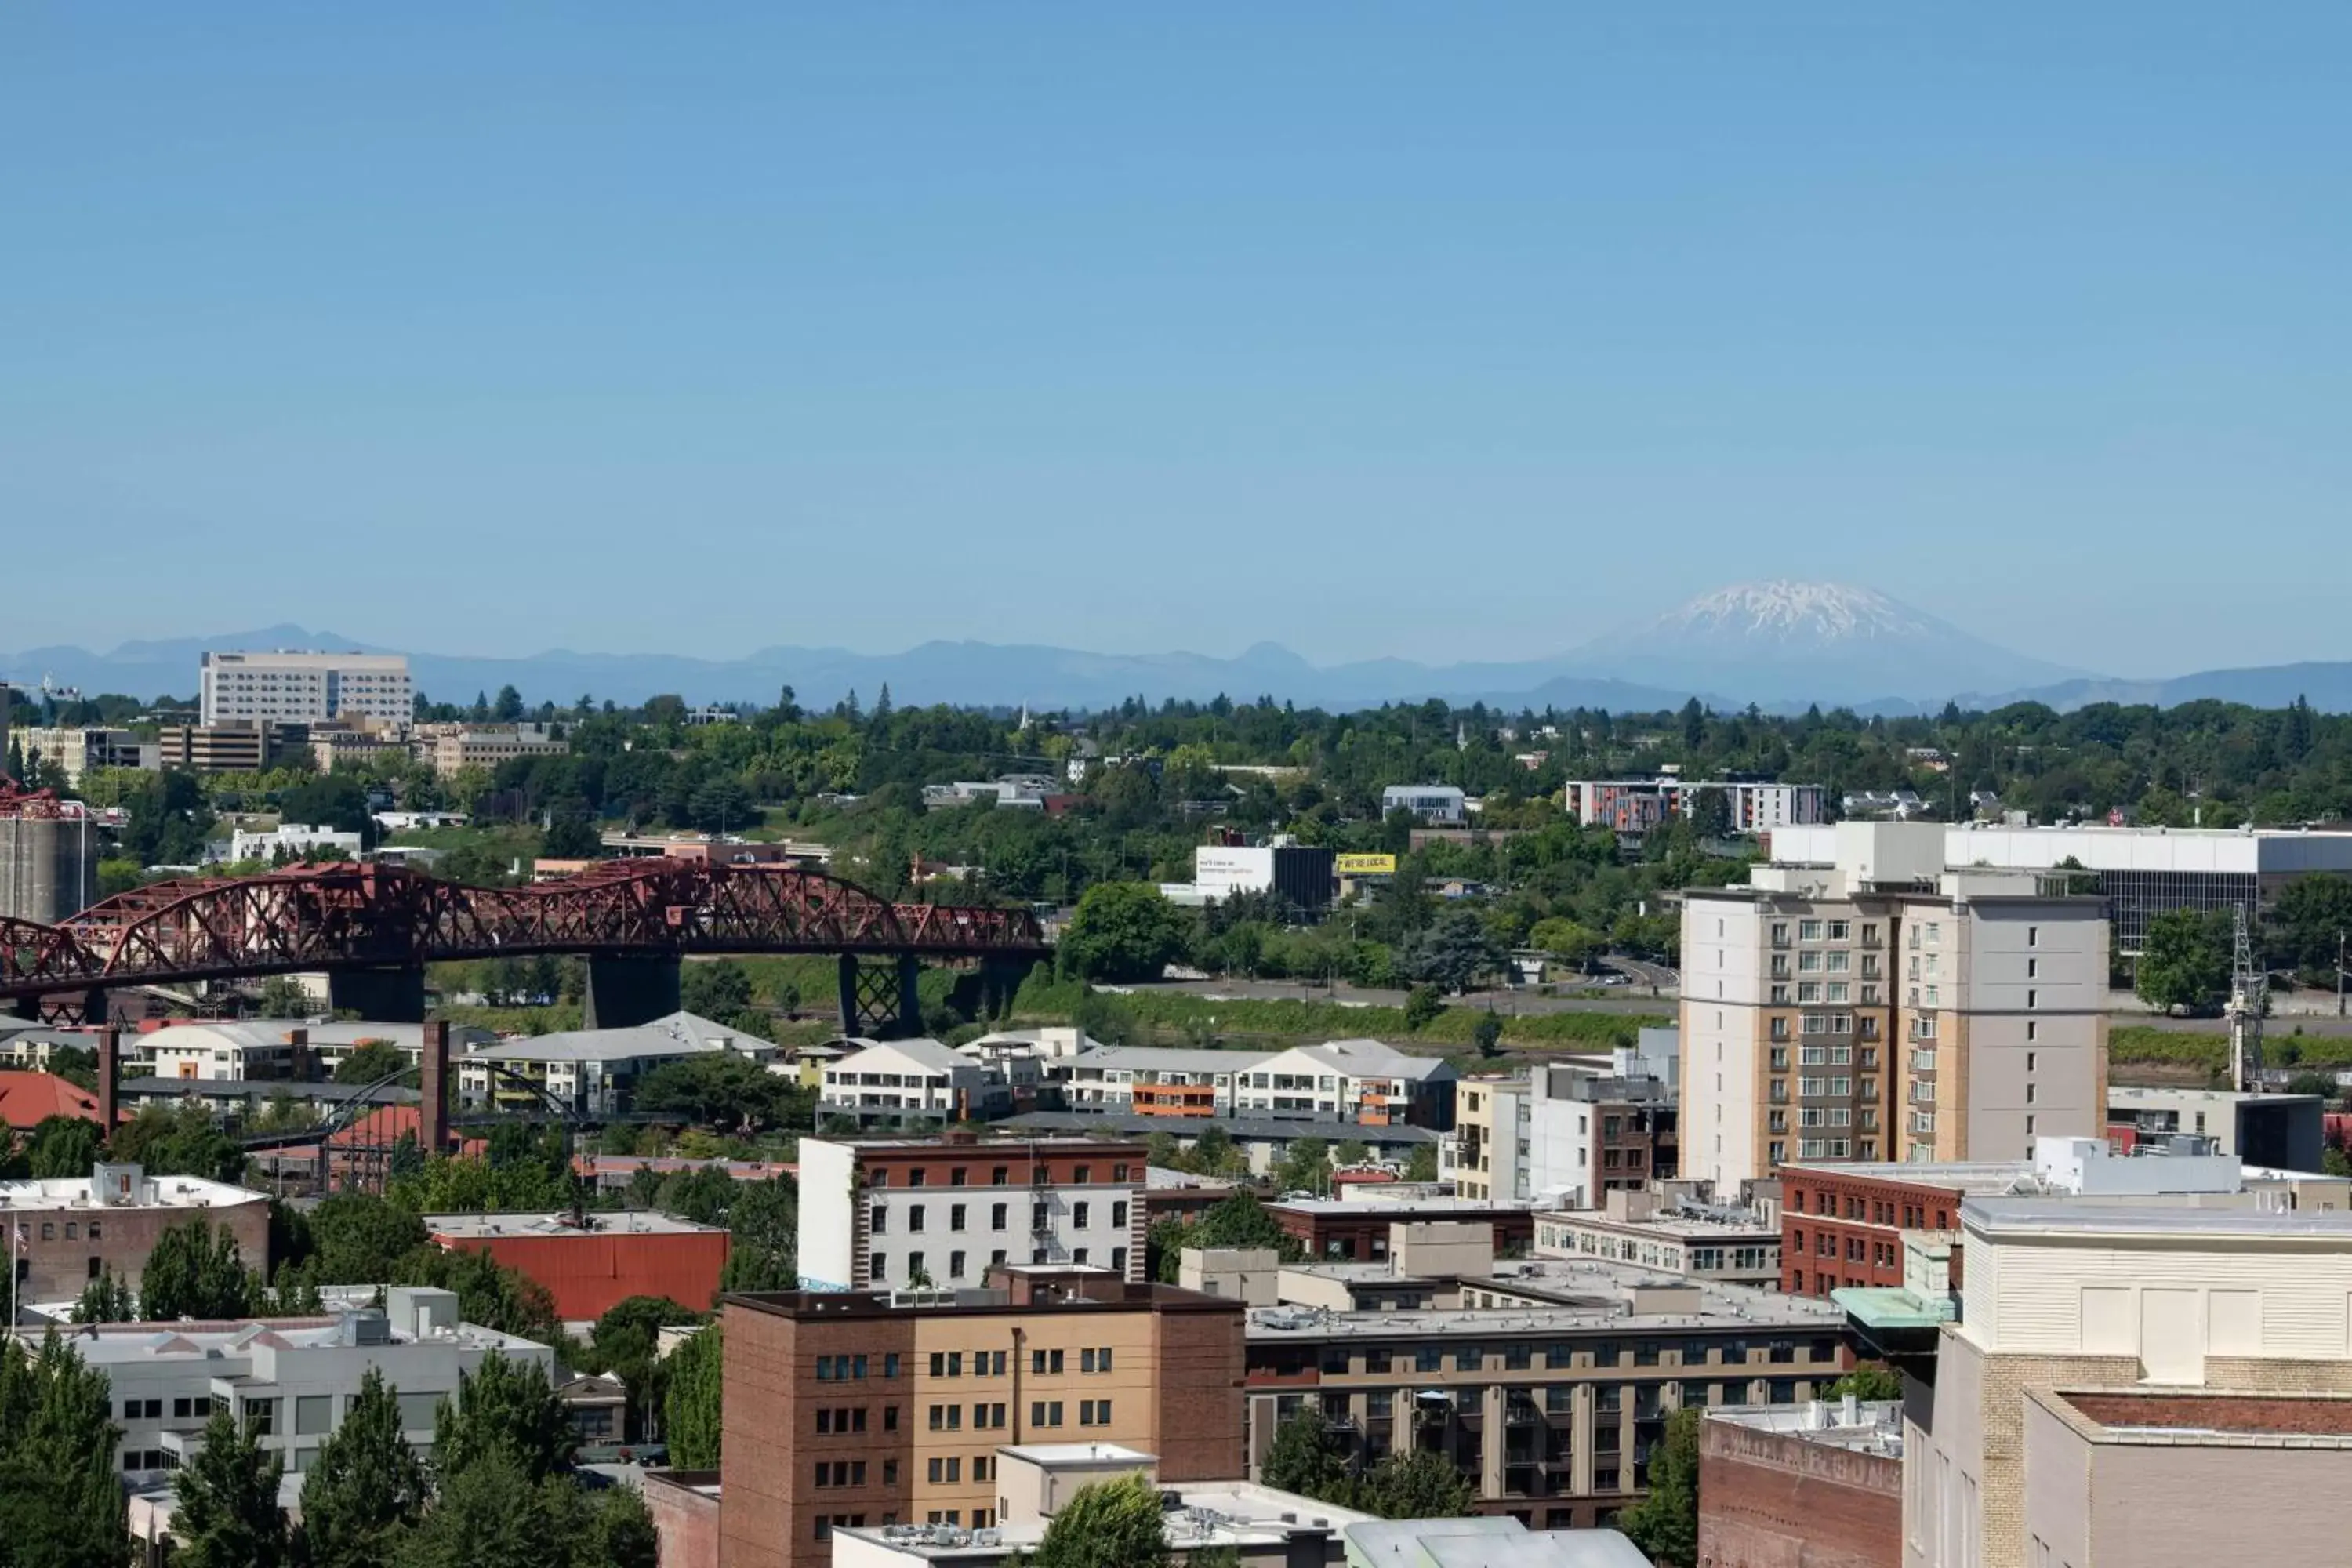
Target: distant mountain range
1778,645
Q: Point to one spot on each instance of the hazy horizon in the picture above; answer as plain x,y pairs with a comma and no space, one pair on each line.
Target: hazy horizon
1450,337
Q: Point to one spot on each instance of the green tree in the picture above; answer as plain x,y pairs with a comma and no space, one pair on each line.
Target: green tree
183,1141
62,1146
2184,960
1351,1151
571,837
621,1532
105,1300
282,996
1665,1524
1564,939
1421,1166
1453,951
2308,923
1486,1034
1305,1167
1870,1380
691,1411
194,1270
492,1512
718,990
723,1089
2322,1084
365,1485
1123,931
225,1512
61,1502
764,1237
623,1344
359,1238
1110,1524
1417,1484
503,1409
370,1061
1422,1006
1303,1460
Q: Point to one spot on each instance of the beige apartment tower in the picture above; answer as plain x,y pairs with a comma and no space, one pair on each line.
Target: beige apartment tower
1887,1007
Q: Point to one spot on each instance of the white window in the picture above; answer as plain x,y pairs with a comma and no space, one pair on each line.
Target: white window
1809,931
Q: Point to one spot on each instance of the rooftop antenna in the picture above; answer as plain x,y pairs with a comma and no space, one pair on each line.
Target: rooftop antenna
2249,998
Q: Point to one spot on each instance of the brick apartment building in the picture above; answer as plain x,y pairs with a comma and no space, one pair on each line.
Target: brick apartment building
75,1227
861,1408
1336,1230
1817,1484
1841,1225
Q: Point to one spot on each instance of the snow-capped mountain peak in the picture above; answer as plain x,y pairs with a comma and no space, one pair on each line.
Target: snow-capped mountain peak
1785,610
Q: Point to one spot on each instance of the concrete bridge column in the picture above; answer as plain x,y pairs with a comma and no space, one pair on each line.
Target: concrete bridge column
629,990
390,994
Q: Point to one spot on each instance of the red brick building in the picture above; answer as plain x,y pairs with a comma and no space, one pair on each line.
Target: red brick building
1819,1487
591,1268
1841,1225
843,1409
77,1227
1336,1230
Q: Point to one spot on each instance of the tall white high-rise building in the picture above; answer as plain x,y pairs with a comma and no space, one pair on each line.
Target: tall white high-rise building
284,687
1886,1007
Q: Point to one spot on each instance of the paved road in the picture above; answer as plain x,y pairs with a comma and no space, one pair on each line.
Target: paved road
1510,1004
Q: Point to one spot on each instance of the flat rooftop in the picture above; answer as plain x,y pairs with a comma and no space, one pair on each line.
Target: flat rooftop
1675,1224
1967,1177
153,1192
1877,1427
1205,1516
2088,1216
628,1222
144,1344
1594,1295
1399,1208
2203,1418
984,1140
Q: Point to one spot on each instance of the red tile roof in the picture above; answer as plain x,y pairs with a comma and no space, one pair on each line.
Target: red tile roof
26,1098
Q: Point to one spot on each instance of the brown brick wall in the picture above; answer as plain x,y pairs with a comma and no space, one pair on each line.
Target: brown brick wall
1770,1499
1201,1359
686,1520
58,1265
770,1449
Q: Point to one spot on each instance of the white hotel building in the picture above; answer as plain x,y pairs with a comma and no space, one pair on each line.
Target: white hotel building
288,688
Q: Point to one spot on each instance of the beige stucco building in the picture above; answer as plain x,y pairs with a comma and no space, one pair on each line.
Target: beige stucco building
1886,1008
2103,1299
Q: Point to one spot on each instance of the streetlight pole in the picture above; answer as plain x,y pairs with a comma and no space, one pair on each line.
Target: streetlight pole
2339,973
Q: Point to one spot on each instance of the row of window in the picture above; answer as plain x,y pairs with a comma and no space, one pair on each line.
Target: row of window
1000,1175
988,1418
73,1230
918,1267
1040,1216
1339,1360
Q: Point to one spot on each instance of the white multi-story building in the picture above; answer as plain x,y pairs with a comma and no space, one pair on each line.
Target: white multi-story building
269,1049
294,1378
2141,871
1152,1082
1351,1080
884,1214
1439,805
594,1070
292,841
1634,805
889,1081
291,687
1884,1007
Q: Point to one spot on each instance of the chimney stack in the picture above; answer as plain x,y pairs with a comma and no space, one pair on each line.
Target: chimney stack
109,1059
432,1113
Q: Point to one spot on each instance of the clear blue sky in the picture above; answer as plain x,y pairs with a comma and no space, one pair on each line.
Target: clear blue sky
1434,331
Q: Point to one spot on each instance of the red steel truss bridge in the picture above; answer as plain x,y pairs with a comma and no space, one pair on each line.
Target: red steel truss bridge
372,929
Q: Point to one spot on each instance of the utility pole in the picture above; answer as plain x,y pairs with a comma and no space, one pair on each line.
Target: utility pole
2339,974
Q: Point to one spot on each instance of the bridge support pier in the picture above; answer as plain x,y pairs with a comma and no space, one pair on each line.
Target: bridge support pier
385,995
881,999
93,1007
627,990
22,1009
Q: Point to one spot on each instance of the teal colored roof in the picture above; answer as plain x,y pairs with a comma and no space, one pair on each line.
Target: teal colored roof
1882,1307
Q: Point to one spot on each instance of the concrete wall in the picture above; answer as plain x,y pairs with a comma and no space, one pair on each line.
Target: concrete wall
686,1520
1721,1025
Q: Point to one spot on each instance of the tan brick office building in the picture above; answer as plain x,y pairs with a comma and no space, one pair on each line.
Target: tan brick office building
856,1408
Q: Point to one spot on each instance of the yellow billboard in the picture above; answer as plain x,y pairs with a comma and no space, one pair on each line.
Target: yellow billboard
1366,865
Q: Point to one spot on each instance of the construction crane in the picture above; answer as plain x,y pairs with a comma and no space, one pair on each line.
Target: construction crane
2249,1000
